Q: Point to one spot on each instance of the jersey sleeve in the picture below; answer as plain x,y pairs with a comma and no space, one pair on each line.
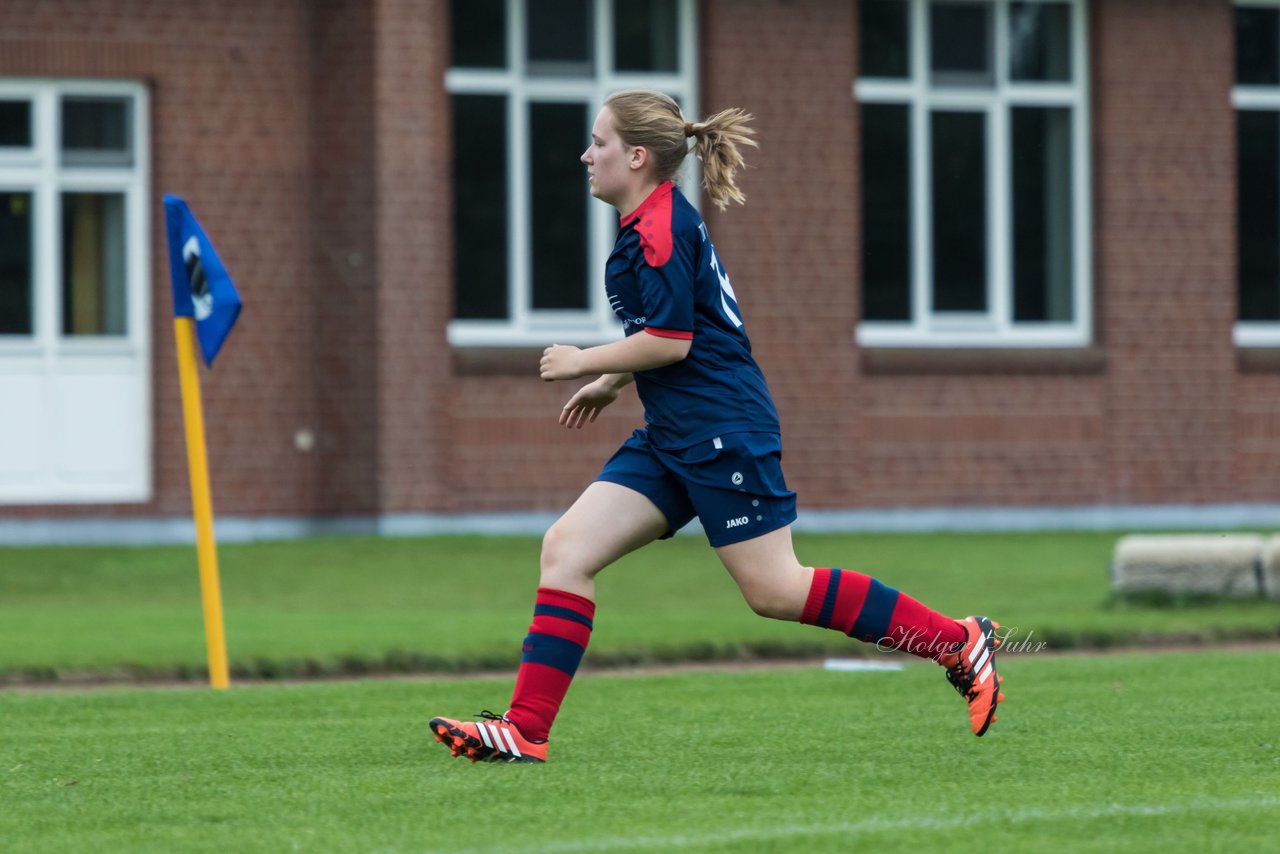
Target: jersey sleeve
666,274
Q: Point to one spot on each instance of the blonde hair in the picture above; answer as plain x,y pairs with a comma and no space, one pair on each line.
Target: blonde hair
652,119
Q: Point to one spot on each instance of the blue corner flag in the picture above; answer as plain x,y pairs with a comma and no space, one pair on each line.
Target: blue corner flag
202,287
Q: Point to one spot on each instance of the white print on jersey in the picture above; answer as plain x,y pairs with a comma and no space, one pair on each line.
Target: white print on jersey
737,523
726,289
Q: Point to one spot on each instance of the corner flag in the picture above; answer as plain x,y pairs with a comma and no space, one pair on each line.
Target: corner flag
205,307
202,287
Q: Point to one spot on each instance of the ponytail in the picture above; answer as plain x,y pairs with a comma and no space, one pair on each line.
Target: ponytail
716,142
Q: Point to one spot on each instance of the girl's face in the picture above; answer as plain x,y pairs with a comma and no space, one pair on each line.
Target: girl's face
612,167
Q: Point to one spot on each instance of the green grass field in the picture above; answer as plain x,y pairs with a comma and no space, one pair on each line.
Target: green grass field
1119,752
447,603
1114,752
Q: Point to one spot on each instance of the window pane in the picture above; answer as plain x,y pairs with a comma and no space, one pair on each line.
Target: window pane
557,135
959,211
480,206
560,37
1039,41
93,296
883,38
886,209
960,43
95,131
15,123
1258,138
645,35
1042,220
479,33
15,263
1257,45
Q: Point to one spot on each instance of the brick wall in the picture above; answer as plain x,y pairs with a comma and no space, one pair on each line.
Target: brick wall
1164,246
230,132
312,139
344,258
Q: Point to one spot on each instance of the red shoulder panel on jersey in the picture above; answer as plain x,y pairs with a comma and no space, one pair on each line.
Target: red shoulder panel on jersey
670,333
653,224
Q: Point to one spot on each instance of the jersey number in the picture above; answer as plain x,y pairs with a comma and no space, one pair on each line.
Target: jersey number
726,291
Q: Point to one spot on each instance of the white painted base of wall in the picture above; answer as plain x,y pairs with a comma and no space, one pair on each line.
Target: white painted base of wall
174,530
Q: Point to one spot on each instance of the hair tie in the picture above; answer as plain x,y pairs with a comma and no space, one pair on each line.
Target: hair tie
688,129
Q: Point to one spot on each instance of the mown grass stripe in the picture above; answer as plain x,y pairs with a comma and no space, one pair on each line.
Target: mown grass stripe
853,829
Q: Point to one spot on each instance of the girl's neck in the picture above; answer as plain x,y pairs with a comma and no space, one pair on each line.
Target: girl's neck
636,199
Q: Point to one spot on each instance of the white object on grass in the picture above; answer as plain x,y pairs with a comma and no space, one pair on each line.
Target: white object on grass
854,665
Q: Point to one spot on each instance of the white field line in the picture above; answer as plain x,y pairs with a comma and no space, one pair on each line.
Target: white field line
881,825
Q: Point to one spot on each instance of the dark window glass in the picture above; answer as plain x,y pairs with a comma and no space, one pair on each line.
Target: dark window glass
1042,220
1257,45
96,131
560,37
959,211
480,33
93,295
1039,41
1258,139
886,212
15,123
480,206
557,136
645,35
15,263
960,43
883,38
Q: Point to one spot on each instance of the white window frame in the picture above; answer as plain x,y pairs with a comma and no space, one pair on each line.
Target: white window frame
1256,333
597,324
48,353
994,327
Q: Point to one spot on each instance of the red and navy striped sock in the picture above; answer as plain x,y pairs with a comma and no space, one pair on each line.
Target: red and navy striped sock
552,651
865,609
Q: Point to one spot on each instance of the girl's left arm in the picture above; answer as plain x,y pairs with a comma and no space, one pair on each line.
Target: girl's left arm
642,351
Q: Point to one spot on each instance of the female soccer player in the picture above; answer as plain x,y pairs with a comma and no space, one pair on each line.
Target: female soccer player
710,446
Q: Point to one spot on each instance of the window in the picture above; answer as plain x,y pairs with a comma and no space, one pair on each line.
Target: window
1257,101
526,81
75,421
974,172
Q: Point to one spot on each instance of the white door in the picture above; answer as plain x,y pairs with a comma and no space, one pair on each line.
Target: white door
75,419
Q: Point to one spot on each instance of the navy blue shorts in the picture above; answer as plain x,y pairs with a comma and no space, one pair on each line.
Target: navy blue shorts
733,483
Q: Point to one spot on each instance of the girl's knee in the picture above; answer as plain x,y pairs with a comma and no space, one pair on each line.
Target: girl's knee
558,563
774,602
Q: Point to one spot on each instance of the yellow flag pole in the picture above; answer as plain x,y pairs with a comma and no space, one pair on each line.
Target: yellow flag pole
201,502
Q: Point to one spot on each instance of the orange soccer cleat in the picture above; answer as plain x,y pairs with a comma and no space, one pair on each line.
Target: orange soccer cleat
971,669
491,739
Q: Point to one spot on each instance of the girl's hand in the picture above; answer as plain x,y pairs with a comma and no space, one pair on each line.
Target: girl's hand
560,362
587,402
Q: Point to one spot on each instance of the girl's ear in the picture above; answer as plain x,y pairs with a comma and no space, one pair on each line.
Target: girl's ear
638,158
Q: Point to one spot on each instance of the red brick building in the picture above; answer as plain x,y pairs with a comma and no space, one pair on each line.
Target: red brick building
996,255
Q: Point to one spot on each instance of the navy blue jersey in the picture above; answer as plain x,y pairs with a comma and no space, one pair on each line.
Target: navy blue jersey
663,278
